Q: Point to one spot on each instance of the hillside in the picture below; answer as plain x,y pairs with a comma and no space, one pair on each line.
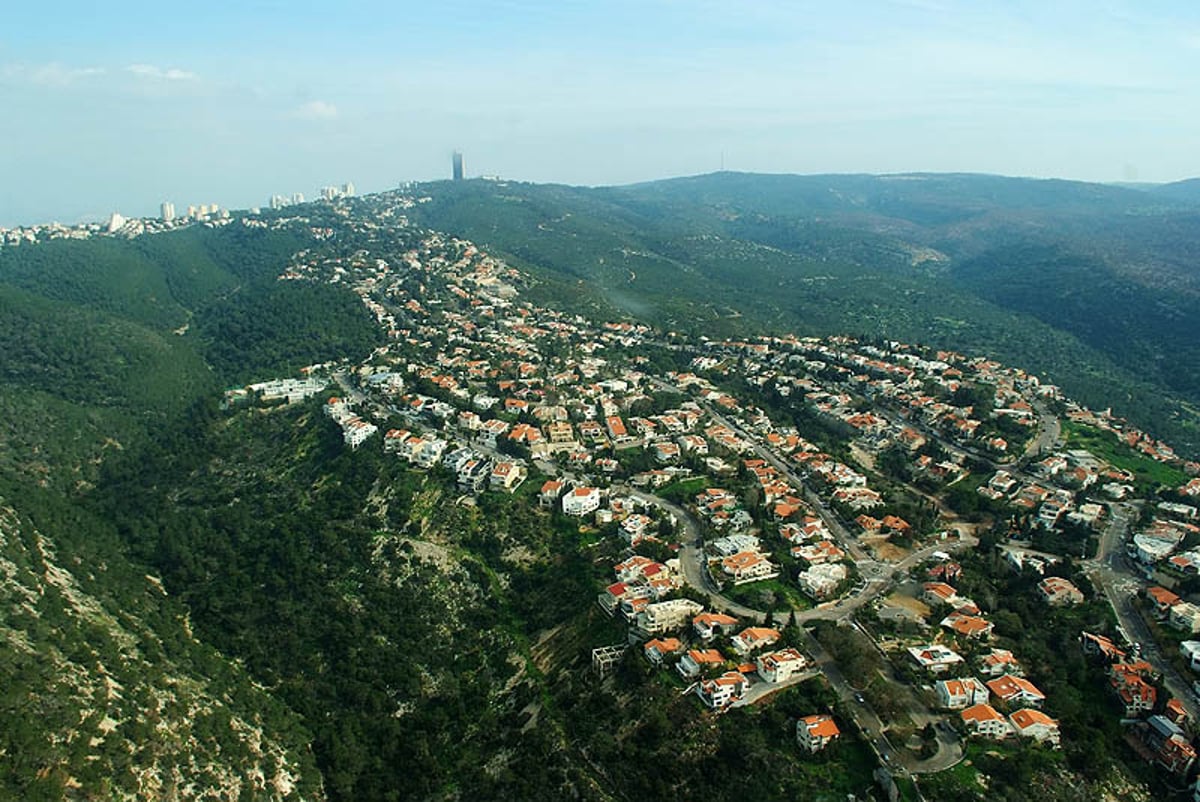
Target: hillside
376,590
1092,286
109,345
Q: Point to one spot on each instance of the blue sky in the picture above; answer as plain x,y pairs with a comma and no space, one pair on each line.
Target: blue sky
118,106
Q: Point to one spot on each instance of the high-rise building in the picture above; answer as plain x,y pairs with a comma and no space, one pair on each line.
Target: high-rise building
458,167
348,189
298,197
168,211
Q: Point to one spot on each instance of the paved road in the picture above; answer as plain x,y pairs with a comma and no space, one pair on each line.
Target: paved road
1108,572
1049,431
761,689
832,523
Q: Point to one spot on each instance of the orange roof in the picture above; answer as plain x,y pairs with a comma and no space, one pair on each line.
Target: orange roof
759,633
1026,718
821,726
706,656
1163,596
664,645
1009,686
981,713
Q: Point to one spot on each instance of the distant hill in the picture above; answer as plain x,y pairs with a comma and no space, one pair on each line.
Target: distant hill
1094,286
1187,190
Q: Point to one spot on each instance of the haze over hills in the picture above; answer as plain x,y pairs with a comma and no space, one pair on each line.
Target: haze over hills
1095,286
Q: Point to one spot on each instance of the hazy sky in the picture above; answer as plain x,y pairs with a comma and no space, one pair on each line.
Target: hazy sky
117,106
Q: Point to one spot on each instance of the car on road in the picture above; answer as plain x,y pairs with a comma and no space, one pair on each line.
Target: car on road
858,697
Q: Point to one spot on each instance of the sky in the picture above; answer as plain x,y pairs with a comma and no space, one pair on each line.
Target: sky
119,106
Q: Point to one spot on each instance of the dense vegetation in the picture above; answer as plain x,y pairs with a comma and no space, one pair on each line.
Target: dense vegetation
105,689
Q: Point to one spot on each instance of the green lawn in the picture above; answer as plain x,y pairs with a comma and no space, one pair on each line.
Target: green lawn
751,594
1106,446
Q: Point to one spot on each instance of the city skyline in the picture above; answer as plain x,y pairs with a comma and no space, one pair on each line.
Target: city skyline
122,111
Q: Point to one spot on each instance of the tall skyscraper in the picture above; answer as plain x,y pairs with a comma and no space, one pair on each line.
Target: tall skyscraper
168,211
458,168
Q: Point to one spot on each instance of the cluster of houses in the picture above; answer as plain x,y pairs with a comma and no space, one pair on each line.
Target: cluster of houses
680,633
1156,725
355,430
990,691
1052,501
504,383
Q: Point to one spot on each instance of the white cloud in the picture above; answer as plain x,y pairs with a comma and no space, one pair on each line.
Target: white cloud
52,74
317,110
158,73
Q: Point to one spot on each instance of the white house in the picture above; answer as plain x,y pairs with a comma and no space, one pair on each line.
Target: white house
780,666
814,733
581,501
934,658
983,719
956,694
696,660
723,691
1035,724
667,615
752,638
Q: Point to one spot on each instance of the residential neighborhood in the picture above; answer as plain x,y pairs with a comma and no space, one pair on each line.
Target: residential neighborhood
732,535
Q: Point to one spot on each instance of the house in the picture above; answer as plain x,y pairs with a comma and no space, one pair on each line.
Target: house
723,691
934,658
748,566
968,626
983,719
1185,616
560,433
1174,711
1057,591
821,581
1016,691
1190,649
355,431
956,694
491,430
473,474
611,597
814,733
1163,600
697,660
1169,743
1100,646
507,476
752,638
550,492
634,527
1135,694
825,551
998,662
667,615
706,625
1035,724
781,665
657,650
581,501
936,593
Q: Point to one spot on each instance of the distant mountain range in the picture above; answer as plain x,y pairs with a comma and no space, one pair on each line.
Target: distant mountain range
1094,286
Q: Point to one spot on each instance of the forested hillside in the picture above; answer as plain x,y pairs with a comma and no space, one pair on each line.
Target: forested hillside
107,346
